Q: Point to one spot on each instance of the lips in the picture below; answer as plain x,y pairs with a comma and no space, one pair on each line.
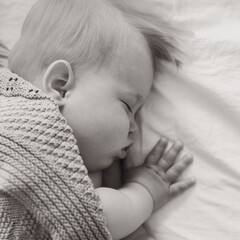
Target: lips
123,154
124,151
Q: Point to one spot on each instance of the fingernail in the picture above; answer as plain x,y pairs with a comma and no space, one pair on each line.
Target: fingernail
164,140
178,144
193,180
189,156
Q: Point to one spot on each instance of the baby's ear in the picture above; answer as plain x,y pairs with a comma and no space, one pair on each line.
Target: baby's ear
57,80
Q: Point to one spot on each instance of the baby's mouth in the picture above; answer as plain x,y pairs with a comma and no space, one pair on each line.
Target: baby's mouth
124,151
123,154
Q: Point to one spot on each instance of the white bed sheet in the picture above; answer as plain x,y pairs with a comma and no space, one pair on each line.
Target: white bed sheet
199,104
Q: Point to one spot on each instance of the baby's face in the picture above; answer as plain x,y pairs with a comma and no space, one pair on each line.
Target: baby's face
102,105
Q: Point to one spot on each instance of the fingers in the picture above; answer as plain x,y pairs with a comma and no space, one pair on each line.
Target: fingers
157,152
179,187
176,170
170,156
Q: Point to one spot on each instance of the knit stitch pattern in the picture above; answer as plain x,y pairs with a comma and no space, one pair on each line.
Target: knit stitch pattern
45,191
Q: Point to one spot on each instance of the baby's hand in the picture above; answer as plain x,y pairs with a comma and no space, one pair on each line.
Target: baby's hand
160,172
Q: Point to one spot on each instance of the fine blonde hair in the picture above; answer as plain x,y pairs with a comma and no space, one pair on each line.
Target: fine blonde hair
87,33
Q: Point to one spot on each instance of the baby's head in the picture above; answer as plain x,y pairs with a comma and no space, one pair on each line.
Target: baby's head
97,60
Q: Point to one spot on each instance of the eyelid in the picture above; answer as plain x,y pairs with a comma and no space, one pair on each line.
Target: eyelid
129,108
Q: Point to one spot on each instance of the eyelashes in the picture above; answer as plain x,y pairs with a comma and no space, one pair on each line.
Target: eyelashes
128,107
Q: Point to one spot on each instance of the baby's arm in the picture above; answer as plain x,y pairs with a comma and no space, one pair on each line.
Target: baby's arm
147,188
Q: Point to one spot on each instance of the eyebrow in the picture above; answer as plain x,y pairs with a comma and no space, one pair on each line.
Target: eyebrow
138,97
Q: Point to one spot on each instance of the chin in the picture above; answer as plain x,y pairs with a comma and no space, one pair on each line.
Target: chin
109,163
100,164
103,166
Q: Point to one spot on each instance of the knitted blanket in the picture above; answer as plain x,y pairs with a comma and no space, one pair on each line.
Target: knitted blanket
45,192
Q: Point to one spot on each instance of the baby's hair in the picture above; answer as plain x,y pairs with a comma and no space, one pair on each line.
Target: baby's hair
87,33
160,35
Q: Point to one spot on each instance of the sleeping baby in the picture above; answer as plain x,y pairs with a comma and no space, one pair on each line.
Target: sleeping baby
78,75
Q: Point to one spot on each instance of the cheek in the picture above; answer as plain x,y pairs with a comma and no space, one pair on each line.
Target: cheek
113,127
100,132
104,127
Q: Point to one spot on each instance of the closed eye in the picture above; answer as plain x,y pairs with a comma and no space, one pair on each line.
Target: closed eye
128,107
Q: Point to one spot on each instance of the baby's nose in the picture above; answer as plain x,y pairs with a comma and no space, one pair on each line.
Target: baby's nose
133,127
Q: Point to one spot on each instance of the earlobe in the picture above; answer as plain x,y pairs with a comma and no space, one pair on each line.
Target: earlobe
57,80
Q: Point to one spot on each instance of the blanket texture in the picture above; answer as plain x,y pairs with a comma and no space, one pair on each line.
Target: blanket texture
45,192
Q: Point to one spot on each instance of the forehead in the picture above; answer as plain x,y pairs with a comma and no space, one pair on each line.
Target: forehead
134,66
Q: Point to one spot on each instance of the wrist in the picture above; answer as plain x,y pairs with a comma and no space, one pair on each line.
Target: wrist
142,191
